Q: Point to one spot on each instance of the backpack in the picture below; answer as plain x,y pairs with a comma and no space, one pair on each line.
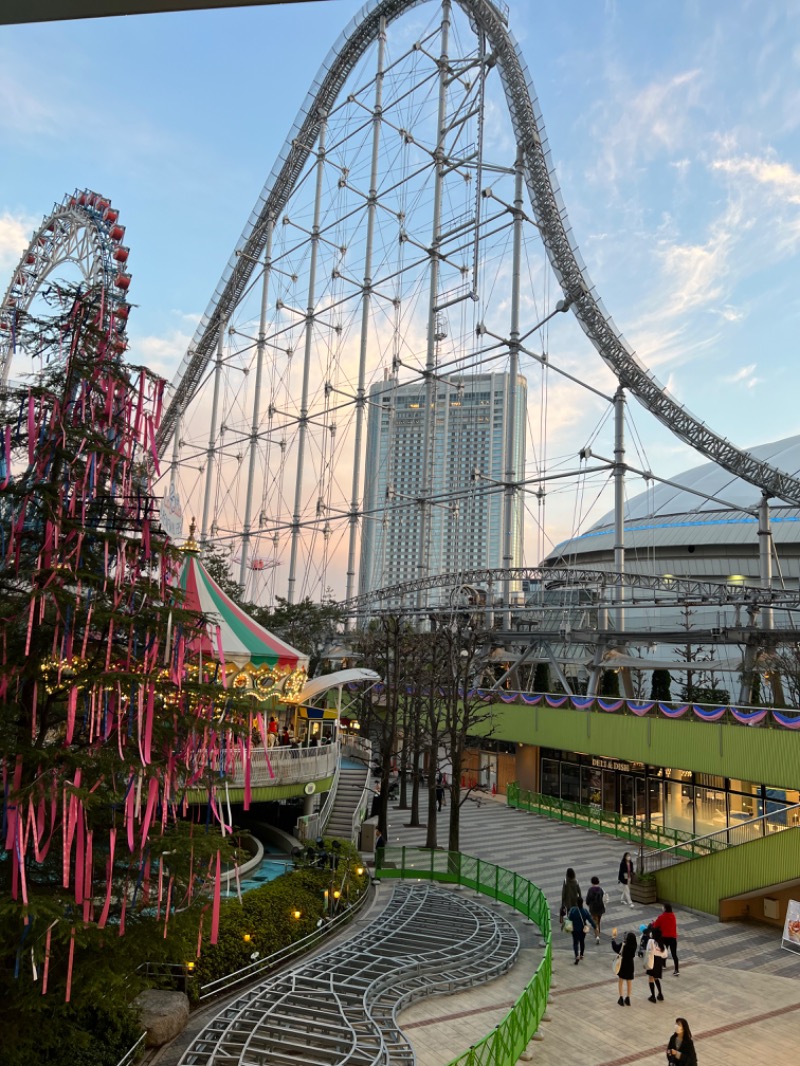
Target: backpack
594,898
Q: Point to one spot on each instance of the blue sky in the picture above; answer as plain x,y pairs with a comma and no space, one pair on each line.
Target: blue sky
673,126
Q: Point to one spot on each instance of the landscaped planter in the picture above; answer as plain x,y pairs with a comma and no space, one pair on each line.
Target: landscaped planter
644,890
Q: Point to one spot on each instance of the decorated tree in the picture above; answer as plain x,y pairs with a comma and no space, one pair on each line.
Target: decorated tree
106,715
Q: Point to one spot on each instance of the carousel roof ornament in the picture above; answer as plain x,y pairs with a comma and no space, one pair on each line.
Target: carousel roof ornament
241,640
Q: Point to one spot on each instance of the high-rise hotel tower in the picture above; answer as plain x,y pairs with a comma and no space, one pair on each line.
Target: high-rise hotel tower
467,452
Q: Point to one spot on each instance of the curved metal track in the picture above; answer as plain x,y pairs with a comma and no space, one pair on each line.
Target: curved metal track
341,1007
710,592
550,215
84,229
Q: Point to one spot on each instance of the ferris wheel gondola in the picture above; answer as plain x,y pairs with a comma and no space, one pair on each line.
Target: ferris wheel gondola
83,231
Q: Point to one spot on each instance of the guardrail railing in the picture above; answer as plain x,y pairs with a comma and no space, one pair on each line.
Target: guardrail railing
287,766
721,839
504,1045
134,1053
648,835
271,962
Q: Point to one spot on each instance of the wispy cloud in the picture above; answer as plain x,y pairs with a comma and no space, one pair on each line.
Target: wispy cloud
745,375
161,354
780,177
15,234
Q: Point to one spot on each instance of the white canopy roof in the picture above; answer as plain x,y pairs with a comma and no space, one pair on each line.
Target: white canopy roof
340,677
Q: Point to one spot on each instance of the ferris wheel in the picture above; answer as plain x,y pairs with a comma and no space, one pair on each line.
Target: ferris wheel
410,239
82,233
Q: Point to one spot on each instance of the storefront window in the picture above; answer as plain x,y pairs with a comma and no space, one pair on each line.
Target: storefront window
710,810
655,802
609,790
550,781
591,786
679,802
571,782
627,796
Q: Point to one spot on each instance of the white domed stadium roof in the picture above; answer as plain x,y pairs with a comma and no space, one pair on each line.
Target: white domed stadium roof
712,480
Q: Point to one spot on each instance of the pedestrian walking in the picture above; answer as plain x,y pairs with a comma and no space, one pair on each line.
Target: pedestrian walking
596,905
626,967
625,878
668,925
654,959
581,925
570,893
680,1048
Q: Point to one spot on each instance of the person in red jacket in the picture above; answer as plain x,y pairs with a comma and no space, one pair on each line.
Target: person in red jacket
668,927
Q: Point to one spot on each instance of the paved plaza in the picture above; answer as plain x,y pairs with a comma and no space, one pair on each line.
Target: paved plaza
739,991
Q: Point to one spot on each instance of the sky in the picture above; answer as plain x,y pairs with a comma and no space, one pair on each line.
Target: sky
674,127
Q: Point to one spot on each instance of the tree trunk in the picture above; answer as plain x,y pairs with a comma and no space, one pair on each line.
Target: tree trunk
431,840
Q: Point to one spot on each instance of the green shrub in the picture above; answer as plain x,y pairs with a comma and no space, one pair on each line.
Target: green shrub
266,915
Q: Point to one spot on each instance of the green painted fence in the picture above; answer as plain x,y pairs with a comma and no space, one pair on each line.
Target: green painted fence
504,1045
624,828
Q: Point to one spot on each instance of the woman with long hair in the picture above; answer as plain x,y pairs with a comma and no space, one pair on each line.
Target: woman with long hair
681,1045
626,972
655,957
625,877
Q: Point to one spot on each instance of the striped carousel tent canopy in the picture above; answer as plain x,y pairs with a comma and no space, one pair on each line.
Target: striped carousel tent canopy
243,640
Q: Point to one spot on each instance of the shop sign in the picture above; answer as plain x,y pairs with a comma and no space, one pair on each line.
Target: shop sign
791,927
611,764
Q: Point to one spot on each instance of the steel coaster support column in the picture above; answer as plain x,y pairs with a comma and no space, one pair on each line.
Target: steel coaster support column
619,503
366,300
302,435
562,677
765,556
212,435
430,363
260,347
510,477
176,452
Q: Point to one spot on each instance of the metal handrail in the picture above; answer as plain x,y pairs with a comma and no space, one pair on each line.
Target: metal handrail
132,1054
719,840
360,812
271,962
311,826
287,766
504,1045
621,826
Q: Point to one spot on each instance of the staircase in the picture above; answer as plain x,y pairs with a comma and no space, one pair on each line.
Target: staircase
348,801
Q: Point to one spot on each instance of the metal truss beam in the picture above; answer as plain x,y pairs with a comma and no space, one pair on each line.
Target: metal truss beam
678,589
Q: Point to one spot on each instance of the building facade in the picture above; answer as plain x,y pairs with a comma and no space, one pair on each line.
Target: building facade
467,463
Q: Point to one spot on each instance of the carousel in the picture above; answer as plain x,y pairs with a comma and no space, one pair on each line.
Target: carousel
298,732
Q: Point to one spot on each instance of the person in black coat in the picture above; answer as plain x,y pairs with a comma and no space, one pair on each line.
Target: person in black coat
680,1048
570,893
581,921
627,952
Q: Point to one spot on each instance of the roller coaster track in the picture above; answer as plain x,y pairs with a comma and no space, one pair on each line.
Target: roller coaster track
550,216
699,591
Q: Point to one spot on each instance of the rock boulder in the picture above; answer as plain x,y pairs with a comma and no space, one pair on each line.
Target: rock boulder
162,1014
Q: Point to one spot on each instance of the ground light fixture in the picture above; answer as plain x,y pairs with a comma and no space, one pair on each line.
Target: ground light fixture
297,915
247,938
190,966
